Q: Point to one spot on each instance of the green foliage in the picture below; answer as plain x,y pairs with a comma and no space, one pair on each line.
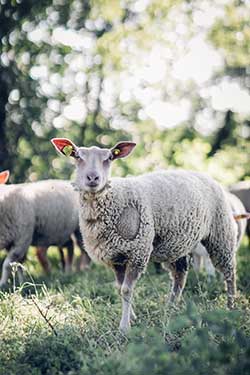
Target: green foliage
232,34
200,335
119,38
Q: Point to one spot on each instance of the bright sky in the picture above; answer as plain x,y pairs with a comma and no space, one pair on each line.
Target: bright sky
148,78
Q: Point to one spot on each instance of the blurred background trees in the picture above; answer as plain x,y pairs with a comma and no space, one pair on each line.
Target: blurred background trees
172,75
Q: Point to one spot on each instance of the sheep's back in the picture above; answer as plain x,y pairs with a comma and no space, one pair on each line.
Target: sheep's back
56,211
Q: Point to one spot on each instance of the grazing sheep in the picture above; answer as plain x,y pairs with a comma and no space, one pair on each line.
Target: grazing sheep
242,191
41,252
200,255
160,215
41,214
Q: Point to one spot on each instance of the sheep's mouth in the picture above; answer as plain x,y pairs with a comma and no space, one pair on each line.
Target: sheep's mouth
93,184
92,189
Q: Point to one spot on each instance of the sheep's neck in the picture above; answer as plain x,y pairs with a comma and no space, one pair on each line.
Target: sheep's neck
94,204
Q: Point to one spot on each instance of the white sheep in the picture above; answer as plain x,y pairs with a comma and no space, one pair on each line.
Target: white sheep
41,214
160,215
200,255
242,191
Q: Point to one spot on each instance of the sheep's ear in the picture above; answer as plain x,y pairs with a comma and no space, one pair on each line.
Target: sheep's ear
122,149
238,217
64,146
4,177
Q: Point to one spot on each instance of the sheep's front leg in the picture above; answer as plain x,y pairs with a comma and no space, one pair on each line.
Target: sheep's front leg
131,276
119,271
16,254
62,259
70,256
179,271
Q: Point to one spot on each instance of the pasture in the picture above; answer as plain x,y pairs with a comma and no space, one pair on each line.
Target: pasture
172,77
68,324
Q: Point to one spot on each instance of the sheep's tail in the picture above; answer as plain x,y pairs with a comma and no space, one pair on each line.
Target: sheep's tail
246,215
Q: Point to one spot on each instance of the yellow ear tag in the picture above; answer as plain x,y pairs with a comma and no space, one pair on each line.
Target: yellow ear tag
67,150
117,151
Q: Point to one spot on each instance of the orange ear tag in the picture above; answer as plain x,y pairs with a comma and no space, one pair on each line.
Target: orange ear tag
67,150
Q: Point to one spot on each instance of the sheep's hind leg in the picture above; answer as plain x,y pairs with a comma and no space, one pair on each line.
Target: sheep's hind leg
179,271
119,271
62,259
70,256
223,258
84,260
228,268
132,274
41,253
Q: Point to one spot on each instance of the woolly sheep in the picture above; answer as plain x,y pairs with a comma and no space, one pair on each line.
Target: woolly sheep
41,213
200,255
160,215
41,252
242,191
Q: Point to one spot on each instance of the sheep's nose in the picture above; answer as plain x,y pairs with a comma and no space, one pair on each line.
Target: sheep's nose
93,179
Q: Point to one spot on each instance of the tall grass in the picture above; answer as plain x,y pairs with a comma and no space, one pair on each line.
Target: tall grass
68,324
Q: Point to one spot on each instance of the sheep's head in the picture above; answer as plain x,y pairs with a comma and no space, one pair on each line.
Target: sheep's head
4,177
93,164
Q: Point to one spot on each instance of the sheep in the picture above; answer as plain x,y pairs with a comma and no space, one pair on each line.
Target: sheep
200,255
41,252
242,191
161,215
41,214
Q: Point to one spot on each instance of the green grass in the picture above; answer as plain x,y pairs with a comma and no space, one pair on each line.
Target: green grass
80,333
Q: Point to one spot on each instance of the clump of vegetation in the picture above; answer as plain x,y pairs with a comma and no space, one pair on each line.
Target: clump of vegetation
67,324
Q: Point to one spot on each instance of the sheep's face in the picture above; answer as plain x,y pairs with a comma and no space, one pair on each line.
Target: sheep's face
92,168
93,164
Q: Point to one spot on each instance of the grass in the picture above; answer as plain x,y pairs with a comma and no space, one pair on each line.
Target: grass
68,324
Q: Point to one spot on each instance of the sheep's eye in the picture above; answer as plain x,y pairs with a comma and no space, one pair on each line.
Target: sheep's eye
106,161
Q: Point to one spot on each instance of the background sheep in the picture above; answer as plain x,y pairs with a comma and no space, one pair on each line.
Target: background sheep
161,215
200,255
242,191
42,214
66,263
